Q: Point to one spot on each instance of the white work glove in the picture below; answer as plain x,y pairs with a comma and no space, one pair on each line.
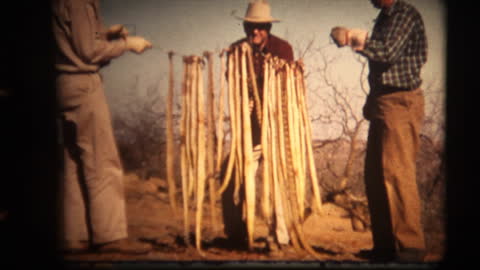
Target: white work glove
339,35
137,44
354,38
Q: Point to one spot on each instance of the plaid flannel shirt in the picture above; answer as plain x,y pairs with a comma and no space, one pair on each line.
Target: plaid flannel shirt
397,48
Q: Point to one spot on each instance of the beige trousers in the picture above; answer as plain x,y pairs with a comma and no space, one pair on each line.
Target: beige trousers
280,225
390,169
92,192
234,224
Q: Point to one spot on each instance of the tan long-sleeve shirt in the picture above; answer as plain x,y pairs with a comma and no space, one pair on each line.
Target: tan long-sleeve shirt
80,36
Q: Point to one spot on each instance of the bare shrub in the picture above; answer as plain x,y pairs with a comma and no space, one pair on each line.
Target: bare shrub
140,132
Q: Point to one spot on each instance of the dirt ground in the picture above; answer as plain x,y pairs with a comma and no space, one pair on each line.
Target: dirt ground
152,220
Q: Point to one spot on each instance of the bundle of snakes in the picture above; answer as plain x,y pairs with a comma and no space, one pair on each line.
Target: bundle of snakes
286,148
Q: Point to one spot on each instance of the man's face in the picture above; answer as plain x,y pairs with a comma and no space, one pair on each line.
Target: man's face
381,3
257,33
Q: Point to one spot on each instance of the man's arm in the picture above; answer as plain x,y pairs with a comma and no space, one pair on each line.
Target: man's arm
87,40
116,31
91,44
389,49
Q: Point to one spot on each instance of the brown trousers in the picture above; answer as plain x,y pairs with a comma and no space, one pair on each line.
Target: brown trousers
93,203
390,169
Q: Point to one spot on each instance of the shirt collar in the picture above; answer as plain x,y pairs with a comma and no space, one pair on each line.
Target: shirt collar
267,48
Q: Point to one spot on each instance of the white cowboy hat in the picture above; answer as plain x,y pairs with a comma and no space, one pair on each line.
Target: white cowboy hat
258,12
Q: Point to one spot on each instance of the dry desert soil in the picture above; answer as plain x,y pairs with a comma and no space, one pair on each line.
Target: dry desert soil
152,220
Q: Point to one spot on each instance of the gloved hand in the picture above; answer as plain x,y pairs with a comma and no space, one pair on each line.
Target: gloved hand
339,34
354,38
137,44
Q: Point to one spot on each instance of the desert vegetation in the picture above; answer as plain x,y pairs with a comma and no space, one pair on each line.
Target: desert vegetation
335,112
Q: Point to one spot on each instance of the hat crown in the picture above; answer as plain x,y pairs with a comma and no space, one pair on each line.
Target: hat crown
259,11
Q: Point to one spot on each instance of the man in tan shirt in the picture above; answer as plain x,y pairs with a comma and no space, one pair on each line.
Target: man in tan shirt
92,194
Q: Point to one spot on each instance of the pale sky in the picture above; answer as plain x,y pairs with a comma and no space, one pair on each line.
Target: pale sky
194,26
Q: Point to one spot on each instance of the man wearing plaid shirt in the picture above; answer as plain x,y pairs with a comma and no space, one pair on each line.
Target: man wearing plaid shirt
396,52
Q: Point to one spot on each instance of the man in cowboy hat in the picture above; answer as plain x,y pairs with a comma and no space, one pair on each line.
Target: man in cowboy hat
257,24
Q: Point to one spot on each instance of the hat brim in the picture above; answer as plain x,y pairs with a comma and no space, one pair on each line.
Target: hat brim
259,20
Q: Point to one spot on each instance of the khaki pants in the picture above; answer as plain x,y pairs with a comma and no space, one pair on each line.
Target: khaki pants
279,224
390,169
93,203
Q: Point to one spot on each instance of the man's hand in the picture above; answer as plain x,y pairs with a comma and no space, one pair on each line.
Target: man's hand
354,38
357,39
117,31
137,44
